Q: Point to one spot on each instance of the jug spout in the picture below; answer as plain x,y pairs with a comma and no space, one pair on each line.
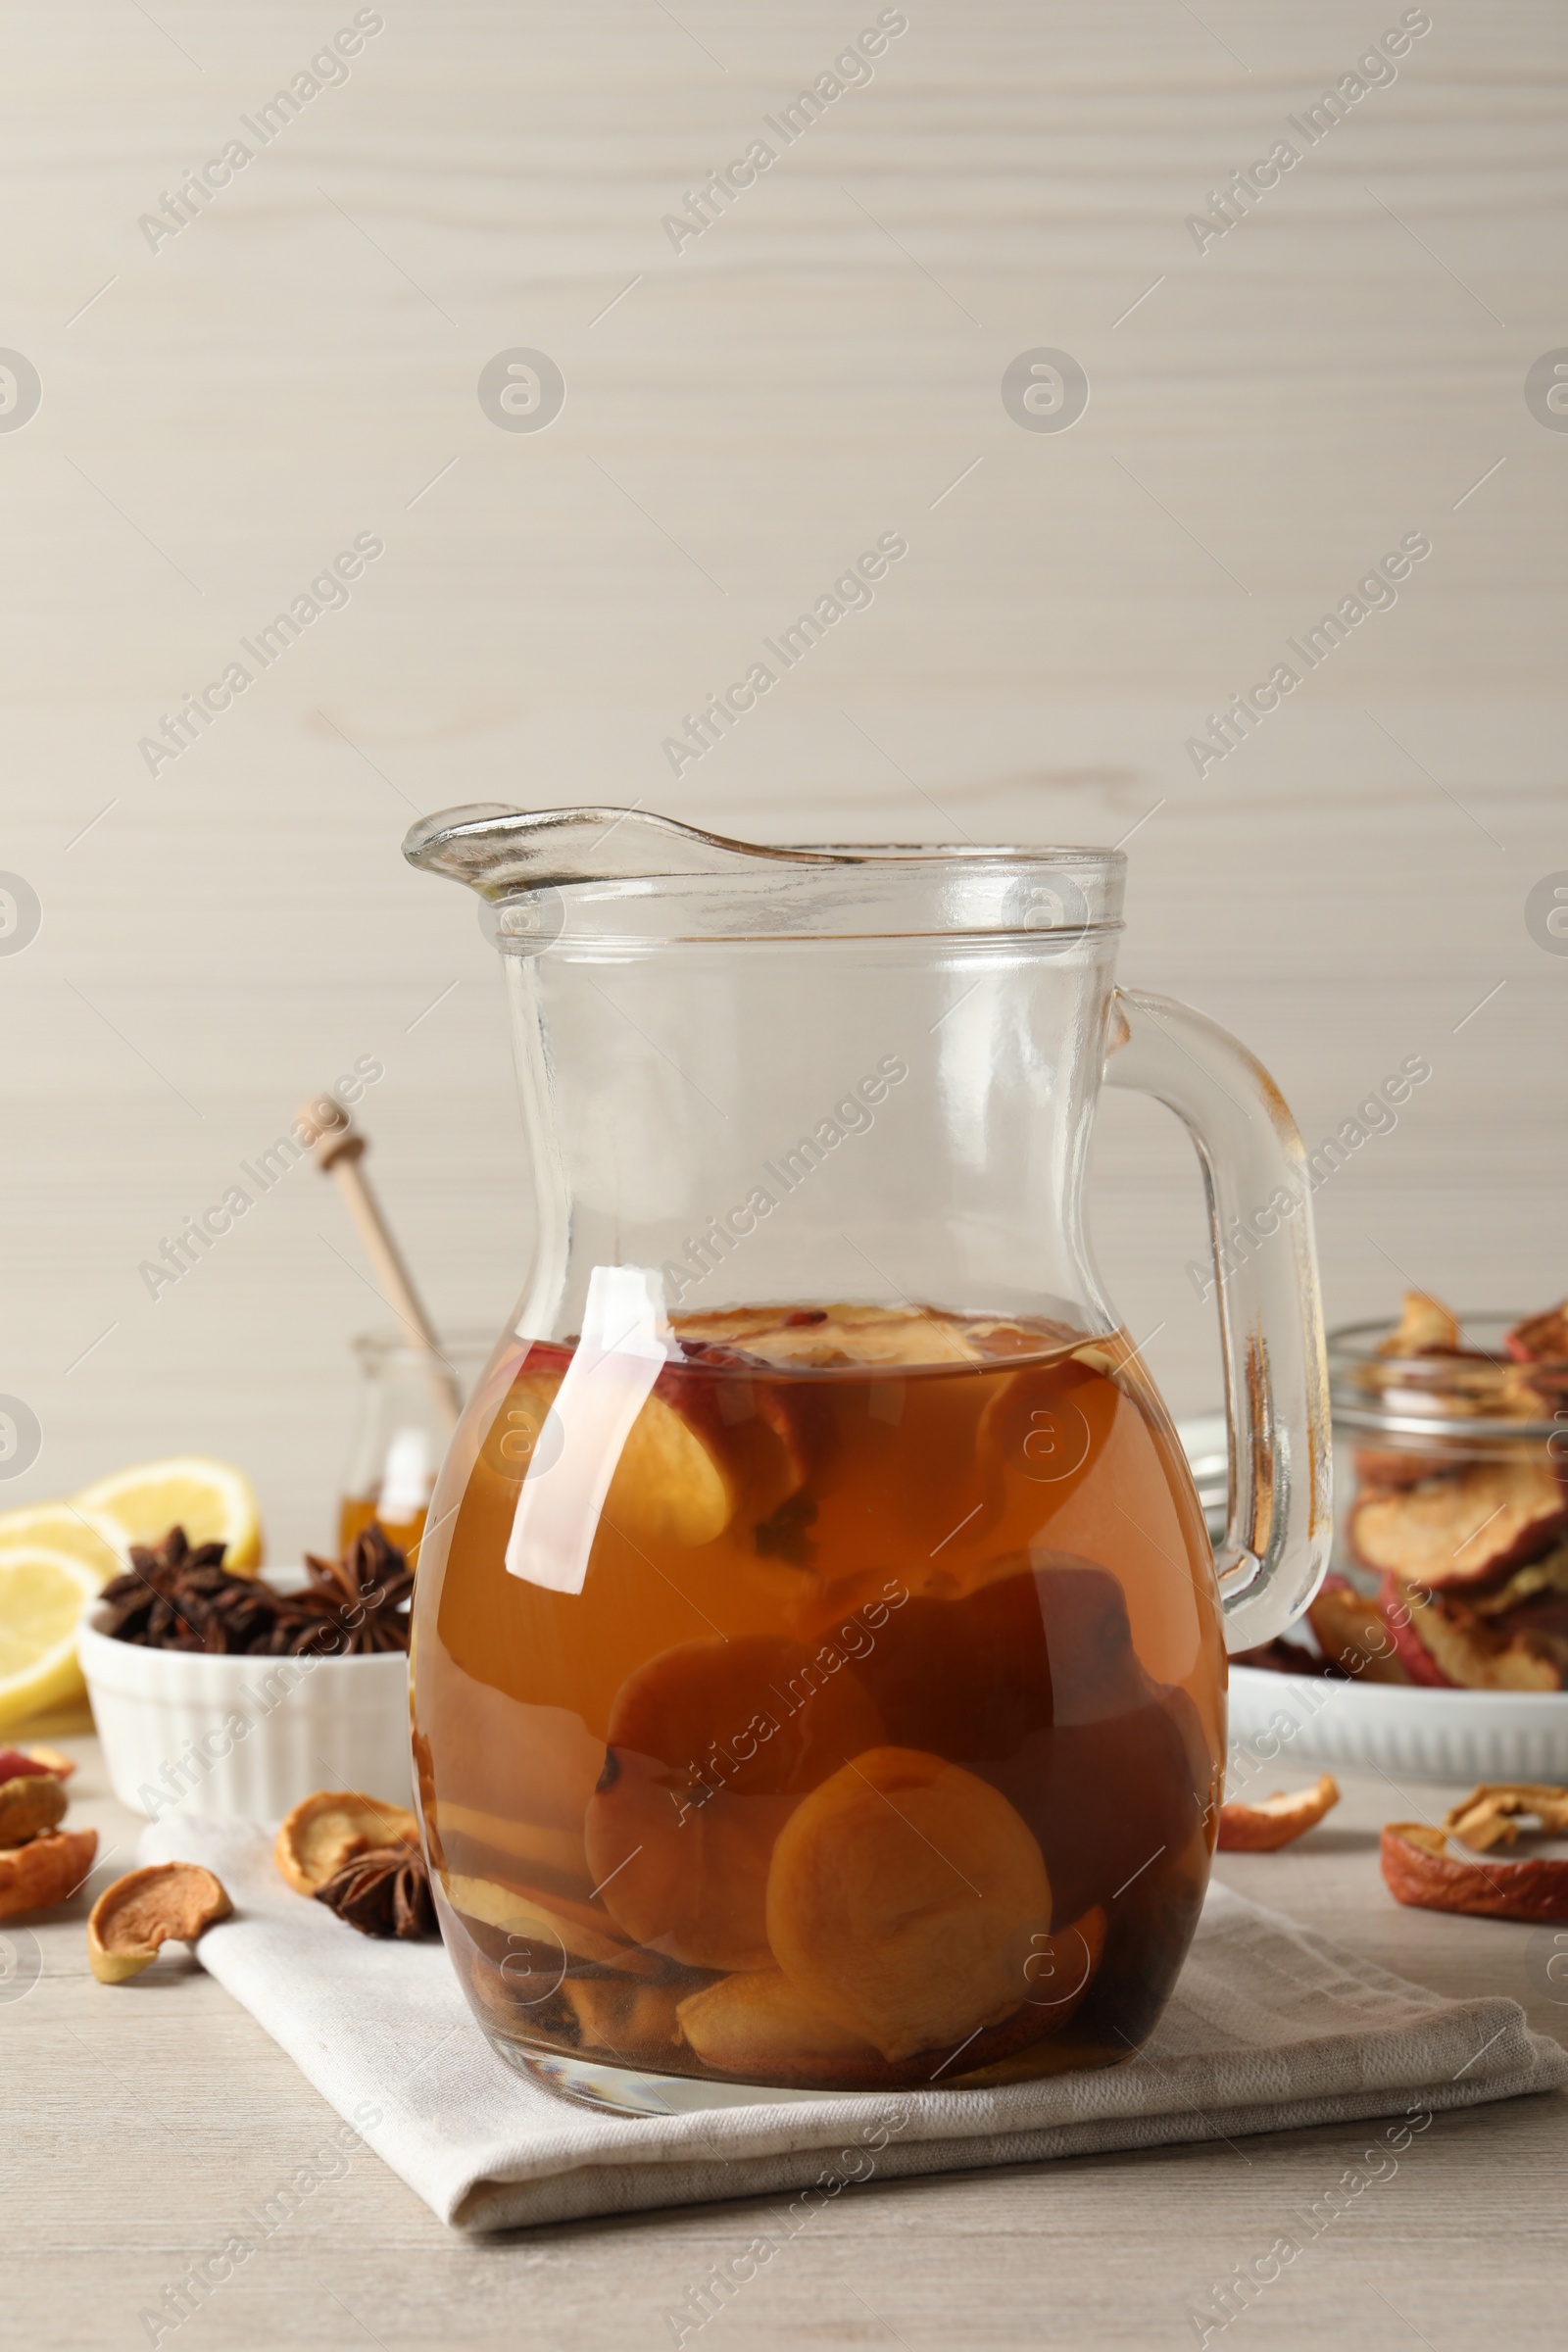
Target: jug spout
499,850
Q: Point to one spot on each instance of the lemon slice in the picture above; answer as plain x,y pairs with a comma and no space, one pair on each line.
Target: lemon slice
87,1535
212,1501
43,1595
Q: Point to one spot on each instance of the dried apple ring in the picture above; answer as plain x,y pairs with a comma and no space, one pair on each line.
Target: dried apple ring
711,1746
762,2026
672,1482
1461,1532
902,1899
1276,1821
1418,1869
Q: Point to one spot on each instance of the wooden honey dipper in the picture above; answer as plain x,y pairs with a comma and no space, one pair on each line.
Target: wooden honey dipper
338,1150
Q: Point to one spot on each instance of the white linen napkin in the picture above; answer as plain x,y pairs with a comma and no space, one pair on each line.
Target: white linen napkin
1270,2026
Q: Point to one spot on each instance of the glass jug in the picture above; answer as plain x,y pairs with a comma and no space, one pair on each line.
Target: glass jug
819,1653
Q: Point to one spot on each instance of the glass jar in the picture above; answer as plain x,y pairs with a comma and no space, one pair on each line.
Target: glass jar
1452,1506
401,1427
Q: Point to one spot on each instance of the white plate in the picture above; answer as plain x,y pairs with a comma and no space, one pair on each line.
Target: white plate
1465,1735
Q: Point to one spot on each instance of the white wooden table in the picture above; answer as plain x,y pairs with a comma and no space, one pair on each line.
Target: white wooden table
140,2121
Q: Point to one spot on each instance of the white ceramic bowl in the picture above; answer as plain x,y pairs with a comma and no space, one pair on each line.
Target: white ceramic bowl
1464,1735
247,1735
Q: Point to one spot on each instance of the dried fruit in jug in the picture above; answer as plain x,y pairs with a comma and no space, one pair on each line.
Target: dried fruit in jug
711,1746
901,1899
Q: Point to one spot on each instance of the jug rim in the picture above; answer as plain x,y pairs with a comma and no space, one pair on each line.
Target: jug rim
543,849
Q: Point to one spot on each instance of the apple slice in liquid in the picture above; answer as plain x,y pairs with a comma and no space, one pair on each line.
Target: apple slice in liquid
903,1897
712,1744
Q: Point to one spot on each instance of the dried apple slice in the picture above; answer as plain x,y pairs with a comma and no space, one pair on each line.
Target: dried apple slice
1032,1682
1418,1869
1387,1466
1397,1606
762,2026
29,1803
670,1486
1540,1339
1275,1821
768,1435
1461,1531
576,1930
834,1335
1351,1630
902,1899
45,1871
167,1902
711,1746
22,1763
1491,1814
1542,1585
468,1836
1446,1646
672,1482
334,1826
1426,1327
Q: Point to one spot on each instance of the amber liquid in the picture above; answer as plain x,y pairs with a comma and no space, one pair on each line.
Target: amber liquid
356,1513
882,1741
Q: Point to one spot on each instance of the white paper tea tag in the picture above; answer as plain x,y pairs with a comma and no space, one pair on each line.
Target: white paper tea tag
616,1361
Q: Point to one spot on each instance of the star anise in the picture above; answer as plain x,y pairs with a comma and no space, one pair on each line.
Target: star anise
177,1596
384,1892
363,1597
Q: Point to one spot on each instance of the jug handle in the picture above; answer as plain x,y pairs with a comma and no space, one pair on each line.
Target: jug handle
1279,1514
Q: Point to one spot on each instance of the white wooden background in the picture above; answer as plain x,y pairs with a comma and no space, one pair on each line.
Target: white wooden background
300,365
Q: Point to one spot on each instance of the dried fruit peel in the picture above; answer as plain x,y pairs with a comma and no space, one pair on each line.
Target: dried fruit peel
902,1899
1540,1339
1353,1632
133,1918
1463,1529
29,1803
1418,1870
579,1933
45,1871
679,1833
761,2027
839,1335
1491,1813
332,1825
1445,1646
669,1486
1275,1821
1426,1327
